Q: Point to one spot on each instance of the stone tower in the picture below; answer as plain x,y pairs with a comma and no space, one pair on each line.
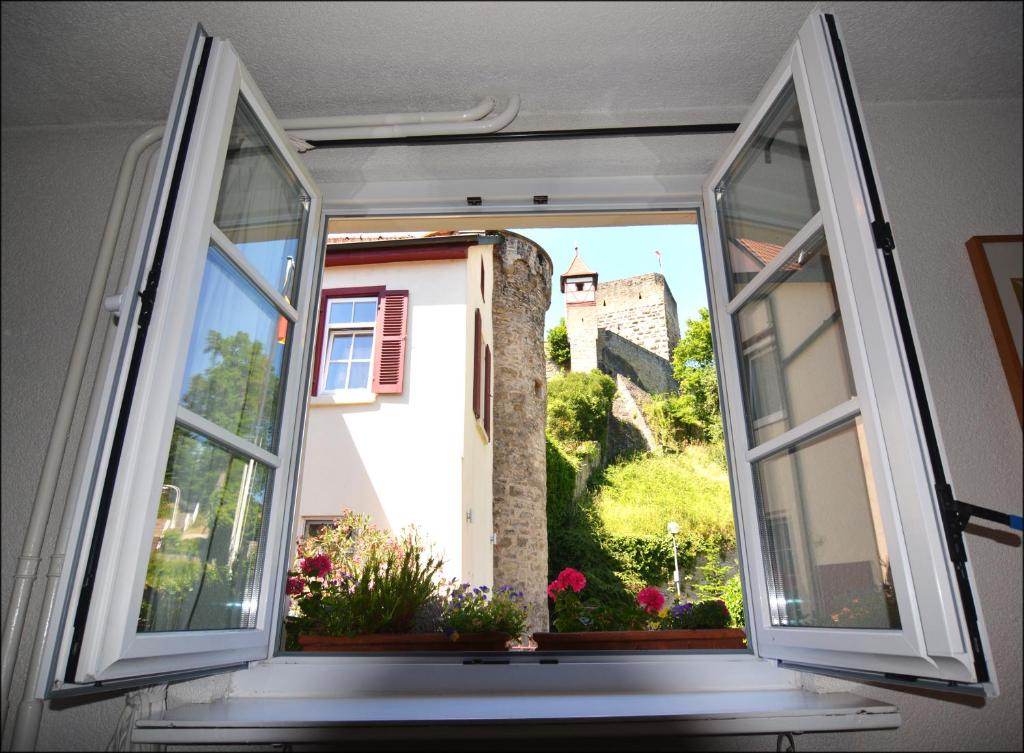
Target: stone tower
522,293
579,285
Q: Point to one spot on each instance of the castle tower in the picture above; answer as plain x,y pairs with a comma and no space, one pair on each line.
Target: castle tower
522,293
579,284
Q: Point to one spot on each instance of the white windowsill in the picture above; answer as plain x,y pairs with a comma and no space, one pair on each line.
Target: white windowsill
298,698
293,720
348,397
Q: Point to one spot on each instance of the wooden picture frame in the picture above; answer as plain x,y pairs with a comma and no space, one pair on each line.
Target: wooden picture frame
997,261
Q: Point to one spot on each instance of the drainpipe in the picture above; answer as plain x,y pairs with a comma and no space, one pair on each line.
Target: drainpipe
28,561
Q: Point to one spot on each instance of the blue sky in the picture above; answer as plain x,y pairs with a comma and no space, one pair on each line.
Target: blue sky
618,252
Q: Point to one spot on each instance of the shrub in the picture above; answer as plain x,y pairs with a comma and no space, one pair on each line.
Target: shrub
557,345
673,420
578,407
719,585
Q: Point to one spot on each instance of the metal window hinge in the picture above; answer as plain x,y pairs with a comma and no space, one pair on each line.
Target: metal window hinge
882,231
957,514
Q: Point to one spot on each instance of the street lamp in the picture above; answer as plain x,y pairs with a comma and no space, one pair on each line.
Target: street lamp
673,529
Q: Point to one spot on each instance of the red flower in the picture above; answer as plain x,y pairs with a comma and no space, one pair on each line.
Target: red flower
651,599
294,587
570,578
318,566
553,589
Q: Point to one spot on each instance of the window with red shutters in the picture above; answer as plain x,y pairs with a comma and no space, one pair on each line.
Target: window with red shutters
478,341
487,391
389,346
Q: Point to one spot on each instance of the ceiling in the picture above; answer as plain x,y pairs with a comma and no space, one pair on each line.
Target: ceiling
574,64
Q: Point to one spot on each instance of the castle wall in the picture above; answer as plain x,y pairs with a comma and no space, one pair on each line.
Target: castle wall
521,295
640,309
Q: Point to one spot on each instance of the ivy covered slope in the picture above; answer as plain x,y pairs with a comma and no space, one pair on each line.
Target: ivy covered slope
615,531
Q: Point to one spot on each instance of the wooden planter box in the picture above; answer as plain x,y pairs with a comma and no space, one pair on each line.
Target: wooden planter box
405,642
632,640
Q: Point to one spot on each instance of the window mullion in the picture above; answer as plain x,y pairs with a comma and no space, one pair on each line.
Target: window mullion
837,415
233,442
230,250
794,245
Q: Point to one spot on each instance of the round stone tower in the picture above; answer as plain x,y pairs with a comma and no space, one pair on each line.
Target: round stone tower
521,296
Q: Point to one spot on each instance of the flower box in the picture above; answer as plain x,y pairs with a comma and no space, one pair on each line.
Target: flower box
405,642
633,640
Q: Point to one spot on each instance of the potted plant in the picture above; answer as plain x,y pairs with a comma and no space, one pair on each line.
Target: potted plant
644,624
377,593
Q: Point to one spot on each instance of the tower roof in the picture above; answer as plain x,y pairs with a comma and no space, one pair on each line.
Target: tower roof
577,268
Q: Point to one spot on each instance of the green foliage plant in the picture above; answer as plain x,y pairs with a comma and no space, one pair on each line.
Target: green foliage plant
693,366
673,420
557,345
478,610
578,407
383,595
709,614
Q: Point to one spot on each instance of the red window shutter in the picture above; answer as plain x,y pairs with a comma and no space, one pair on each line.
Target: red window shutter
487,391
478,336
389,344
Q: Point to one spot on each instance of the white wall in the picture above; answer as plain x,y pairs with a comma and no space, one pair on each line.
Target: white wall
478,452
949,171
399,458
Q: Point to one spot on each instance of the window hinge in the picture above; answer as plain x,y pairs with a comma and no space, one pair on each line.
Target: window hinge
956,515
882,231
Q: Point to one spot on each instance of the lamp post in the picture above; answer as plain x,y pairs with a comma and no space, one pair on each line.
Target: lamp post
673,529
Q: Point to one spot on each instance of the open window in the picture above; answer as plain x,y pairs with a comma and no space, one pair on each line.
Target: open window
836,468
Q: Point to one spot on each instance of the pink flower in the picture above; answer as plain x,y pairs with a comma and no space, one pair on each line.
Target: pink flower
651,599
570,578
554,587
318,566
294,587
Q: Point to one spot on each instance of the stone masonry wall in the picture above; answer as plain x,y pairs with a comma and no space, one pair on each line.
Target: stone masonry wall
522,293
642,310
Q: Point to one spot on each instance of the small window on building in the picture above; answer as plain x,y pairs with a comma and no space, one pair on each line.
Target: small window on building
348,344
313,526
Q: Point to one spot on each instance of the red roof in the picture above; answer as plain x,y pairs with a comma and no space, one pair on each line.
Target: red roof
765,253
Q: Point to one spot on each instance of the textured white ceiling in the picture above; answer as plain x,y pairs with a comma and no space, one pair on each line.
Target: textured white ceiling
574,64
571,62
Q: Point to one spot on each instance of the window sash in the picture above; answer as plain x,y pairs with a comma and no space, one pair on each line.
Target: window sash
930,642
333,330
111,649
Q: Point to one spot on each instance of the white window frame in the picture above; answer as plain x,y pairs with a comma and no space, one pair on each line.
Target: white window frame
877,354
111,649
932,641
332,330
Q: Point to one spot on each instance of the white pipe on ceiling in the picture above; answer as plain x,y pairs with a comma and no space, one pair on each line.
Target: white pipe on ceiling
487,125
484,107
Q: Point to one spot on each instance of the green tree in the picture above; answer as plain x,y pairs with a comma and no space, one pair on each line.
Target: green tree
693,365
558,345
578,407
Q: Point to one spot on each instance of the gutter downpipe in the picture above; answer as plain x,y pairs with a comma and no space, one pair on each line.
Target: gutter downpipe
28,561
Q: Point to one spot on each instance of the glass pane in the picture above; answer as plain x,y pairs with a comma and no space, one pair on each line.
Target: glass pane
363,346
768,194
792,346
341,346
337,373
261,207
341,312
359,375
202,572
824,548
366,311
233,372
